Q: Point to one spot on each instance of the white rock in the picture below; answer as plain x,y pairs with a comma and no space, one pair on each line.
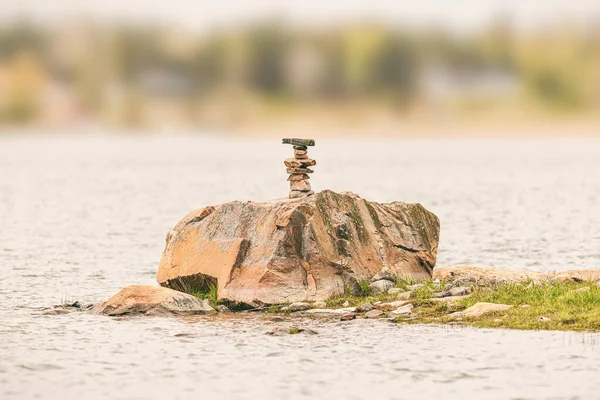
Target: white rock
479,309
395,290
381,286
403,311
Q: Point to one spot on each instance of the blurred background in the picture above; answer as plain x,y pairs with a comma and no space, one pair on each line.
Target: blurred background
340,67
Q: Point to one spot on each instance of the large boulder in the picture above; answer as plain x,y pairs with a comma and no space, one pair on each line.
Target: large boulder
289,250
155,300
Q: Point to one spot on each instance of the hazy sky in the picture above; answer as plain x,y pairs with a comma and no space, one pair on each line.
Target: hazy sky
199,14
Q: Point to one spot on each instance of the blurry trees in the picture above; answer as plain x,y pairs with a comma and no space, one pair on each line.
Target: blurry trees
127,72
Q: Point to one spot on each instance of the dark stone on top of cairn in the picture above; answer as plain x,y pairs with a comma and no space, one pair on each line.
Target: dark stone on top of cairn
299,142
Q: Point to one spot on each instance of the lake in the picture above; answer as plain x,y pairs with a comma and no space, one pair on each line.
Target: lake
84,216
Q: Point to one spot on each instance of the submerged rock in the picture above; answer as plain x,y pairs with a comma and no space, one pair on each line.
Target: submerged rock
306,249
404,311
348,317
139,299
222,308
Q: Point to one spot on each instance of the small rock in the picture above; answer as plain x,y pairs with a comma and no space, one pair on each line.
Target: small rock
346,304
448,286
464,281
364,308
460,291
282,331
319,304
498,321
403,296
222,308
544,319
299,306
391,305
348,317
284,309
403,311
416,286
395,290
386,274
381,286
441,294
277,319
374,314
524,306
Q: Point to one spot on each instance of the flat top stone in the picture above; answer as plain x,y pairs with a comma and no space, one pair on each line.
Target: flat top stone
298,142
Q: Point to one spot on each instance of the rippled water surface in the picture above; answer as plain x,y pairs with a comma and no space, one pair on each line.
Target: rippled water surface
83,217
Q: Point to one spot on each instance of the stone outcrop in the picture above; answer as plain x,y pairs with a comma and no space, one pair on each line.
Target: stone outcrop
482,308
311,248
488,276
154,300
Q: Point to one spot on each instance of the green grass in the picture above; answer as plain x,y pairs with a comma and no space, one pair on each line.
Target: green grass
210,293
567,310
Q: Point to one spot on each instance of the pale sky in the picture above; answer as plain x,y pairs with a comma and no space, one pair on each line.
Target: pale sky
201,15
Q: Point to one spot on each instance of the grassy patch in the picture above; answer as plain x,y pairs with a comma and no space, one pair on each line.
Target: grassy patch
209,293
547,306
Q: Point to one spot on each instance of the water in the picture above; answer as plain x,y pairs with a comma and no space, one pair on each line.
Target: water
83,217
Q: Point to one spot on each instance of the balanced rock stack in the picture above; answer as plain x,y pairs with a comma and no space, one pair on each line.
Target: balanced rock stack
298,169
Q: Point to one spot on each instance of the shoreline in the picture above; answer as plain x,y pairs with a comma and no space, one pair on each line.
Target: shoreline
463,296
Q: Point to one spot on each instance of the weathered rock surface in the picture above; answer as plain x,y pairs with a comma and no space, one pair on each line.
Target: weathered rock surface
290,250
373,314
464,275
592,275
139,299
392,305
479,309
381,286
403,311
487,276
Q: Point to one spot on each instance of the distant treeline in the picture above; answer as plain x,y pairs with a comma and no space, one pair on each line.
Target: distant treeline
555,68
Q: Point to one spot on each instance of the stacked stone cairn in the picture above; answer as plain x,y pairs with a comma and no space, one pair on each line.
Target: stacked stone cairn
298,169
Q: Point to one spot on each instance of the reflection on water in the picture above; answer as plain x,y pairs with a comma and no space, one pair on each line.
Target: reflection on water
83,217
